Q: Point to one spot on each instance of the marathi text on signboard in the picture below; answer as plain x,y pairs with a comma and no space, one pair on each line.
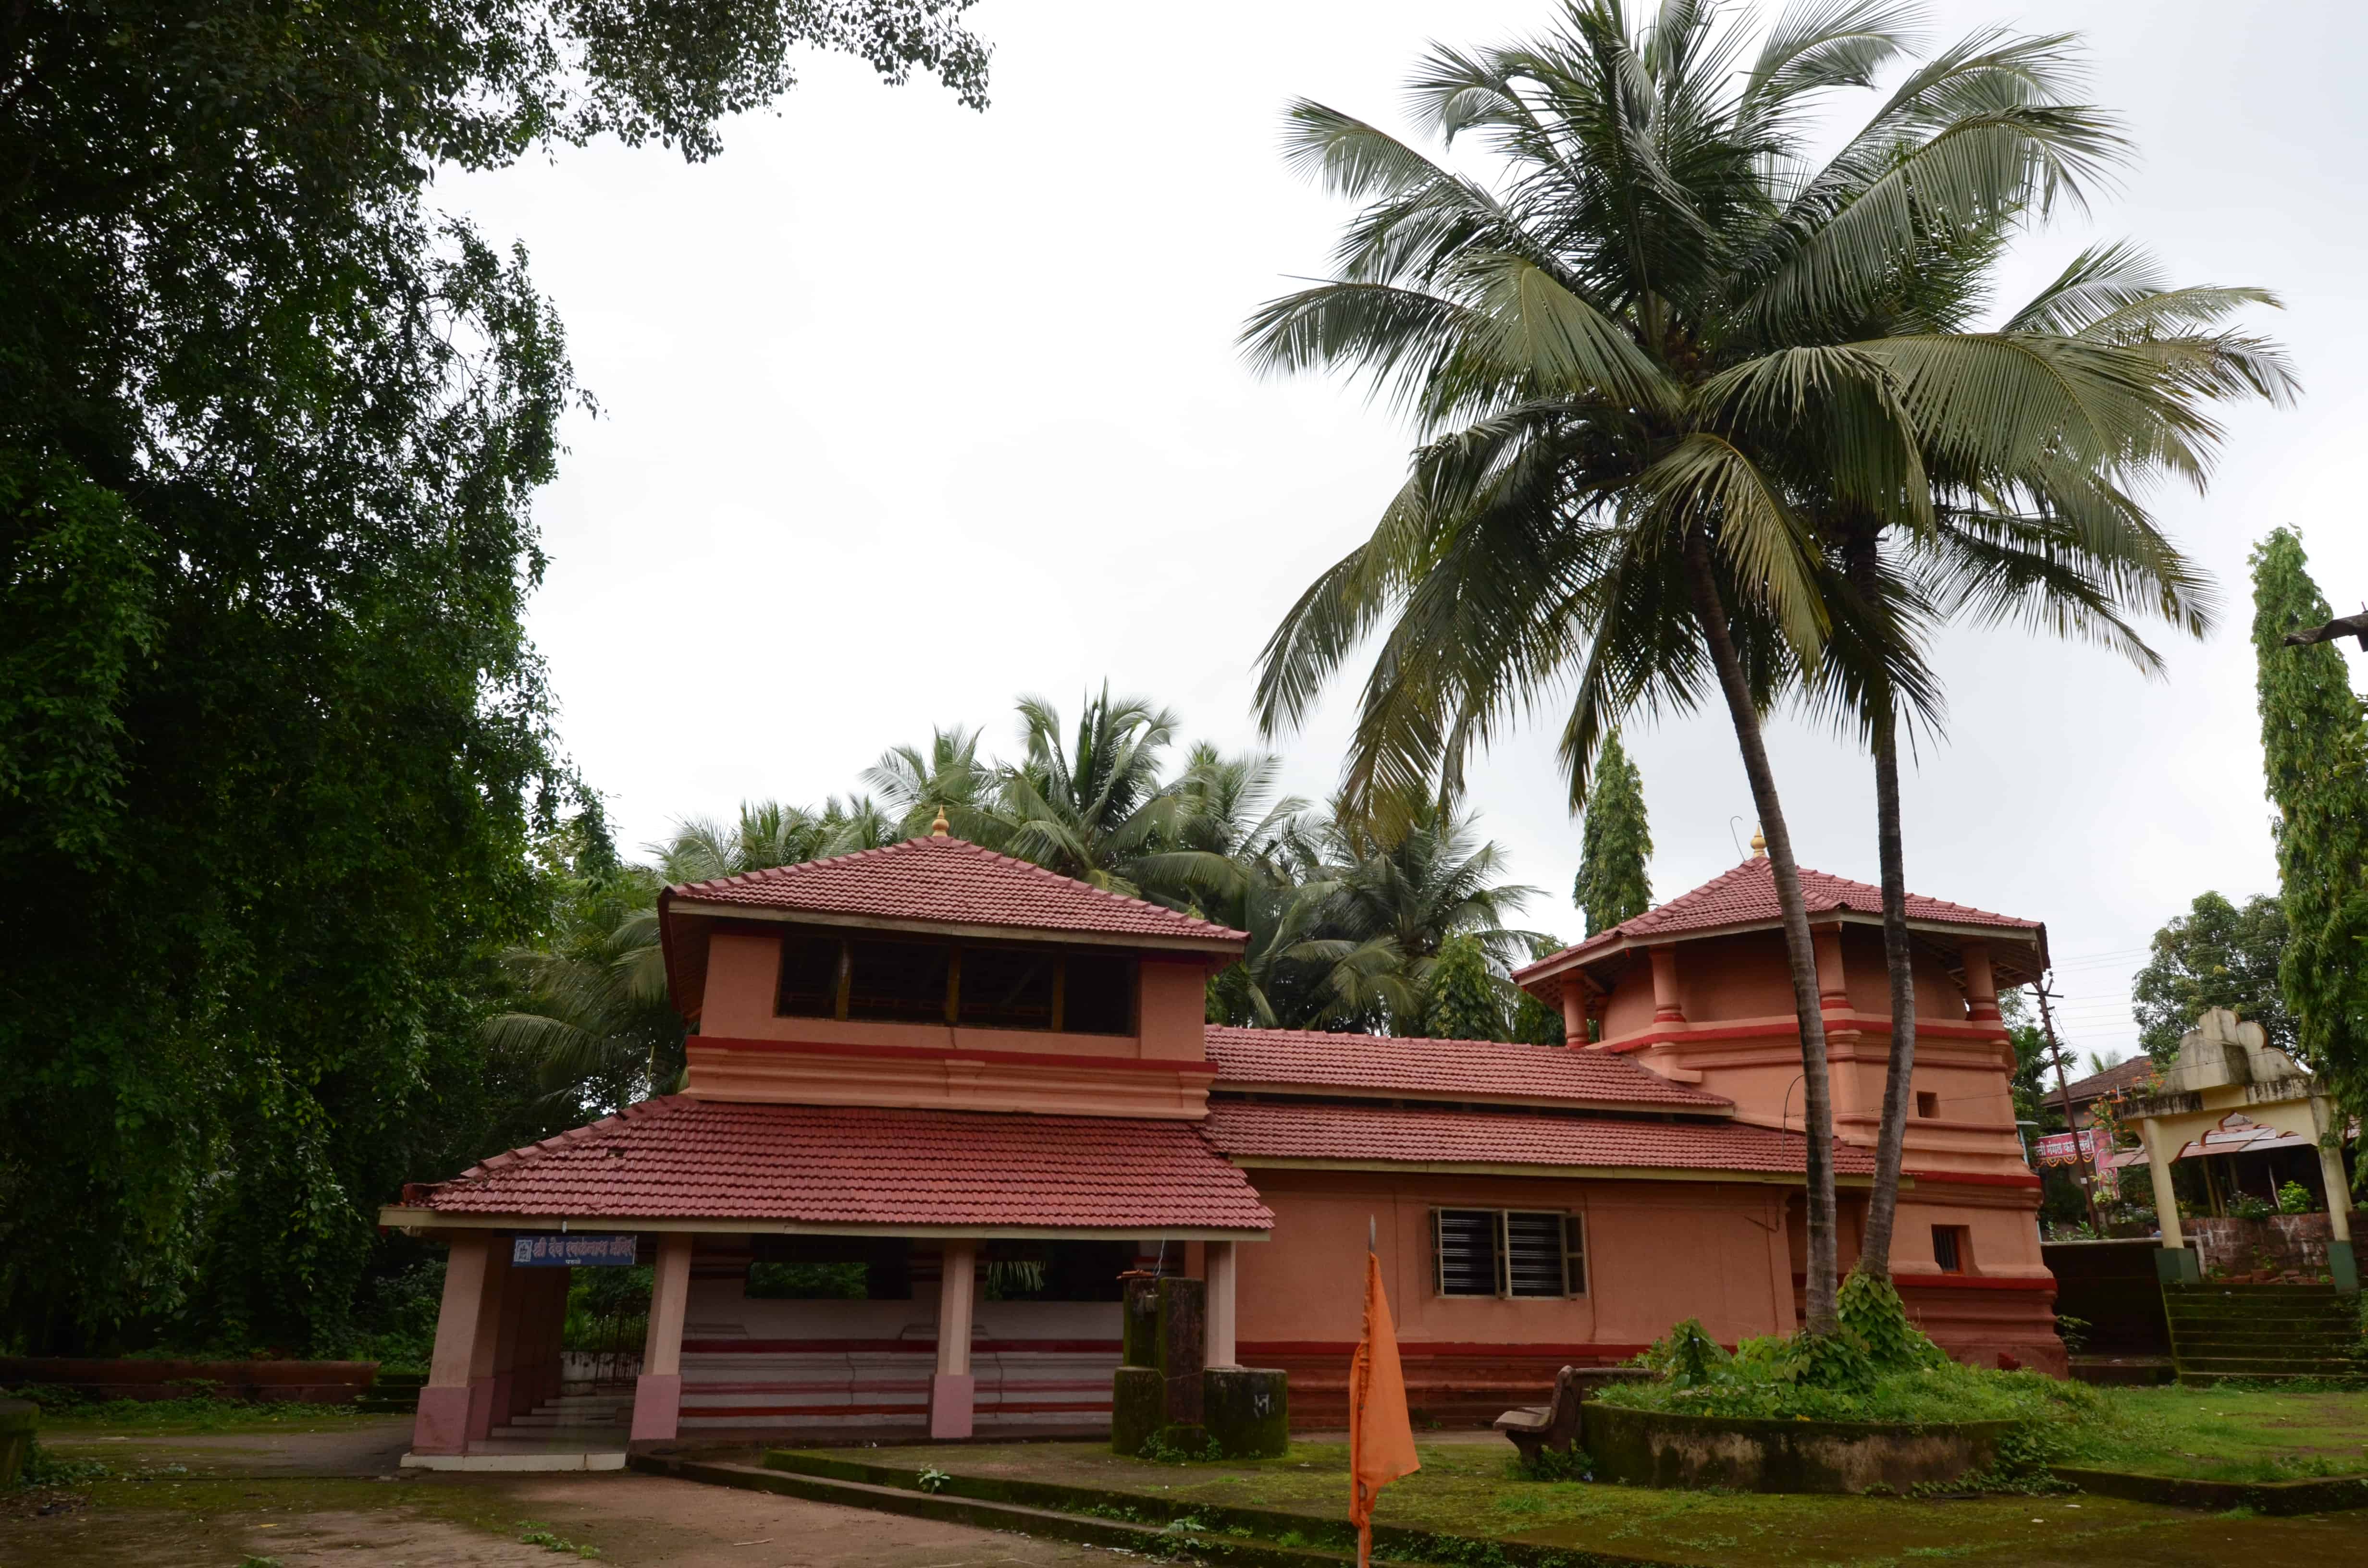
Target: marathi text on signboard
573,1252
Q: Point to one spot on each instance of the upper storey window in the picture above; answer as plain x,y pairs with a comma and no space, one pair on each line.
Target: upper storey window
978,985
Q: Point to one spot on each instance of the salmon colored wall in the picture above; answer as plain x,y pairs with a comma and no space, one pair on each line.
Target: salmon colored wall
744,968
1743,976
1628,1009
1657,1252
1869,973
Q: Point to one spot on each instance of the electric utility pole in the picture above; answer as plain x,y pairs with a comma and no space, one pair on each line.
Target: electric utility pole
2064,1090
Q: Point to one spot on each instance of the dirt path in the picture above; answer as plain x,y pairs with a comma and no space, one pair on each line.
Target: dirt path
335,1496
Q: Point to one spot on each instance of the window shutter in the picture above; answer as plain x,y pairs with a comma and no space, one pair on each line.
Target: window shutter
1467,1251
1535,1244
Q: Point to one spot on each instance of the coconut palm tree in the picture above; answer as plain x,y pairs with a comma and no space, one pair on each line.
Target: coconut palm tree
592,1015
2060,548
1637,365
1092,806
916,783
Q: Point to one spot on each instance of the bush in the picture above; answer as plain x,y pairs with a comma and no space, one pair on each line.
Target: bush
2296,1199
2244,1206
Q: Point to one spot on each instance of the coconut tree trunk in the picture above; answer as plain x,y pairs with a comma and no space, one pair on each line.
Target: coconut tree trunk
1883,1207
1817,1106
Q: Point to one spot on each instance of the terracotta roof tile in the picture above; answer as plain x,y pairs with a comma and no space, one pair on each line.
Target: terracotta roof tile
1283,1131
951,881
2119,1075
1443,1069
1746,895
685,1158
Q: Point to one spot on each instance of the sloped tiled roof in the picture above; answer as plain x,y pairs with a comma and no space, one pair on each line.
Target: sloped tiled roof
685,1158
2119,1076
1271,1130
1443,1069
1746,896
950,882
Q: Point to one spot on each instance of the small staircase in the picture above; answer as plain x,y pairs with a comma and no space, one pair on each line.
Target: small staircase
2219,1332
573,1416
393,1391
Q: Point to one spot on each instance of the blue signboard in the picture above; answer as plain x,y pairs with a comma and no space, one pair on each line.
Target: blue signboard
585,1251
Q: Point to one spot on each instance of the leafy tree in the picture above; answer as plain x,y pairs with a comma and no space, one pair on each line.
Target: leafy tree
1466,998
1535,1023
2215,955
1615,845
1649,370
274,748
918,783
2315,747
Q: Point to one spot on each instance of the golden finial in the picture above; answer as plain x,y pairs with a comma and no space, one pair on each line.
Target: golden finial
1758,844
939,828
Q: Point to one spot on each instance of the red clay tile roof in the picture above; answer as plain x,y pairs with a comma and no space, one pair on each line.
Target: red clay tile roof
1248,1129
685,1158
2119,1076
1443,1069
951,881
1746,896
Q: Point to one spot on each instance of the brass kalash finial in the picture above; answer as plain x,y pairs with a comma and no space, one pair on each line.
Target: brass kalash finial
939,828
1758,844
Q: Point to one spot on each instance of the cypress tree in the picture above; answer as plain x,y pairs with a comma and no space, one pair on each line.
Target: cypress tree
2314,748
1614,845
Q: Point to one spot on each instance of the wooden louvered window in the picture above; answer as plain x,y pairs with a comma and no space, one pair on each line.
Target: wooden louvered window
1523,1254
976,986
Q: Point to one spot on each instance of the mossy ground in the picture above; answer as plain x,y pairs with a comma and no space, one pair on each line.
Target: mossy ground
1469,1489
2227,1434
163,1417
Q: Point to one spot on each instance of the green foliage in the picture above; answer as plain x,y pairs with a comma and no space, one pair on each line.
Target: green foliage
2215,955
2296,1199
1181,1445
1556,1464
532,1533
274,747
1833,1378
1873,1313
807,1281
43,1468
1535,1022
2315,749
2249,1206
1687,1356
1615,843
1466,1000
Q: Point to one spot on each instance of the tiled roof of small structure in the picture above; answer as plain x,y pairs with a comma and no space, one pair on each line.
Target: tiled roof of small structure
1280,1129
1443,1069
685,1158
1746,896
951,881
2119,1076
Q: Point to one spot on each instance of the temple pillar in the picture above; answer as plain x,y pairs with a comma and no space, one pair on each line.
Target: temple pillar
1833,981
486,1349
1574,1011
952,1389
2166,1198
1981,984
1666,1006
510,1346
658,1392
441,1426
1224,1264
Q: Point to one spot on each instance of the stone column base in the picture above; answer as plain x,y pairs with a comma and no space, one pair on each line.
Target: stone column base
657,1406
2177,1266
2343,1266
952,1398
442,1425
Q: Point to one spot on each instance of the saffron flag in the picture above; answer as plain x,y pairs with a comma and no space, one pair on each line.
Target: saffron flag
1381,1436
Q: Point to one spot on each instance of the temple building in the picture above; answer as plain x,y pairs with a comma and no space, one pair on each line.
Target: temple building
968,1094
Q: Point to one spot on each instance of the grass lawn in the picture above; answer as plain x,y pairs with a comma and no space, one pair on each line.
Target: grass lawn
173,1417
1471,1489
2227,1435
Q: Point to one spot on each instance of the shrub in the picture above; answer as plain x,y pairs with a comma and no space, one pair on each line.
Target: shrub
2296,1199
2244,1206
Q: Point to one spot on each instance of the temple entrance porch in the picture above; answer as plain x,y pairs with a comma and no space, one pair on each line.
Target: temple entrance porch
797,1337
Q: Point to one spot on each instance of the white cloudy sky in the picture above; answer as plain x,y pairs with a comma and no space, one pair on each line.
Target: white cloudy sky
907,410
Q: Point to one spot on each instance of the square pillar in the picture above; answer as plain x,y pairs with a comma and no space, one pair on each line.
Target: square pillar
441,1426
485,1350
657,1393
524,1287
952,1389
1222,1268
2166,1198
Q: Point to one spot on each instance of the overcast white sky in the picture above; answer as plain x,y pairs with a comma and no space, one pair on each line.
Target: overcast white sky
908,410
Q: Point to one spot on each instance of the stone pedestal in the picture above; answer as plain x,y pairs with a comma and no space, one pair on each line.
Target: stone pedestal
1247,1411
2177,1266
